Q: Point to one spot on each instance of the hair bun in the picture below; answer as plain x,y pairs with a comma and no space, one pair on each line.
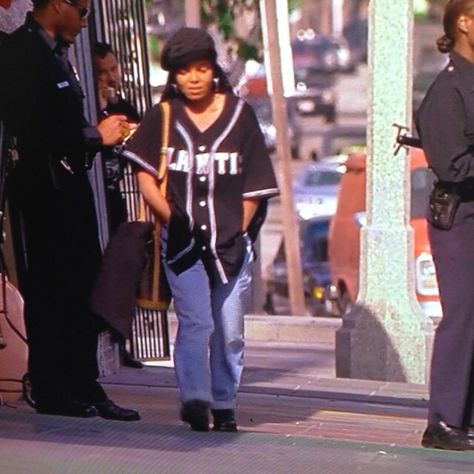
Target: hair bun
445,44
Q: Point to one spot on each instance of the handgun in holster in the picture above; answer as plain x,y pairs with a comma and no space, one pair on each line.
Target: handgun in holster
443,204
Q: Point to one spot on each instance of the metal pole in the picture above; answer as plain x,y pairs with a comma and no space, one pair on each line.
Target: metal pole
192,13
273,65
386,336
337,17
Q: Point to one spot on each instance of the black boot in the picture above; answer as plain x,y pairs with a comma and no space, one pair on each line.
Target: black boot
441,436
130,361
196,413
224,420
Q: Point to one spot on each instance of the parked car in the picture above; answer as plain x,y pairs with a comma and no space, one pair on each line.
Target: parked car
314,93
344,234
356,33
316,188
322,53
319,294
263,110
337,140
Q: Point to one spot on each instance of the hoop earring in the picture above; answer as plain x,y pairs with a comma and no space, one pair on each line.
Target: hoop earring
216,82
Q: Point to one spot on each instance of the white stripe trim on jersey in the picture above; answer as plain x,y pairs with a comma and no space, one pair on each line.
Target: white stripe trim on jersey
129,155
189,193
210,197
189,176
263,192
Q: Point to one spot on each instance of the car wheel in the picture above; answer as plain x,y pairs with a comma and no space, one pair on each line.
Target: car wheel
269,306
295,152
331,117
344,302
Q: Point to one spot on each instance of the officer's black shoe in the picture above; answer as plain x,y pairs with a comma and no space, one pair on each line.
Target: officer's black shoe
470,431
441,436
224,420
196,414
130,361
70,408
110,411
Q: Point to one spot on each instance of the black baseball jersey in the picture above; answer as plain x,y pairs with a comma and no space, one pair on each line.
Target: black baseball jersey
445,121
210,173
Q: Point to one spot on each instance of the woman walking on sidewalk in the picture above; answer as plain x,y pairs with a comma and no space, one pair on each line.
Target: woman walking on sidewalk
445,123
219,179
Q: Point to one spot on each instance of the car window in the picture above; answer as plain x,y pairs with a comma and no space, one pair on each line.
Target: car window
421,184
322,178
313,77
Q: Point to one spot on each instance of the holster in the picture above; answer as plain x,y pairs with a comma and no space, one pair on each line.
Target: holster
443,204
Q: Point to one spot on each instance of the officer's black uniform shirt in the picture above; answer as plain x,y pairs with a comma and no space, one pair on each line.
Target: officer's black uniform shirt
445,121
209,175
42,100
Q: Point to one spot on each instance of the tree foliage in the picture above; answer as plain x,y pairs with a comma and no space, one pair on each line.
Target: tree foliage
224,12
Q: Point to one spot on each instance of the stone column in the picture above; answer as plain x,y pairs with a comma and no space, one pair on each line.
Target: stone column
386,336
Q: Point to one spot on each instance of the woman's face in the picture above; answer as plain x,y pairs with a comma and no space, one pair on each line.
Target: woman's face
195,79
466,26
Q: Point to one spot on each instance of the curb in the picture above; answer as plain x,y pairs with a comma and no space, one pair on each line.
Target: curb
300,329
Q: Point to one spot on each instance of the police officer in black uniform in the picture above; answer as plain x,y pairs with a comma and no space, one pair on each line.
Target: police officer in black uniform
445,123
42,101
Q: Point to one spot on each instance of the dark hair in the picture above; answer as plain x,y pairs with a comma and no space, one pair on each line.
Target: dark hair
171,90
102,49
39,3
453,10
186,45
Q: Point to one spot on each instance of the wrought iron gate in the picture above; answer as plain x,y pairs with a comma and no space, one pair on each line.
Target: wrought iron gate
122,24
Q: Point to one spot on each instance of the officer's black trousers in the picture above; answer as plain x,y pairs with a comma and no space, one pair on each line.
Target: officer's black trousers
452,384
63,253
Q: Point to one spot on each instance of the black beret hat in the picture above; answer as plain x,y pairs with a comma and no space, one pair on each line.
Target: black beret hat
186,45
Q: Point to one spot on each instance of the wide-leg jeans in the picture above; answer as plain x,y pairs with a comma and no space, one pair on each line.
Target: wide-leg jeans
209,346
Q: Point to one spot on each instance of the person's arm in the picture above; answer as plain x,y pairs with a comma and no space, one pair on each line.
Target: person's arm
250,207
153,197
443,127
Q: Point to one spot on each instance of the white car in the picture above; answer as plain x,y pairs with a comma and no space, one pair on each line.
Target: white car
316,188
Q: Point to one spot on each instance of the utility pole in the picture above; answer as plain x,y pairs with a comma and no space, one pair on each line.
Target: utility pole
192,13
337,8
273,65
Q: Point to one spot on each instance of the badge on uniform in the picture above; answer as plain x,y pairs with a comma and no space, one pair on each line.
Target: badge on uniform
62,85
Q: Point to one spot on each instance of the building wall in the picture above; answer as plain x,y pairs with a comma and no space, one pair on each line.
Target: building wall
12,17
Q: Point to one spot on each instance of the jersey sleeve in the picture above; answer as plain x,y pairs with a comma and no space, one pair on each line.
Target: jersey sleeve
259,177
143,149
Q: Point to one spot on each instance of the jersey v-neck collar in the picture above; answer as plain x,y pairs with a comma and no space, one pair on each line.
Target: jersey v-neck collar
216,127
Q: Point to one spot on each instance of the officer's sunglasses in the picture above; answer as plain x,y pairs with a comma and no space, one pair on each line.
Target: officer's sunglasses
84,12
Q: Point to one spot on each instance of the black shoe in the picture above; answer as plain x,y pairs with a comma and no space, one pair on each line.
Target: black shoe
130,361
224,420
441,436
110,411
196,413
72,408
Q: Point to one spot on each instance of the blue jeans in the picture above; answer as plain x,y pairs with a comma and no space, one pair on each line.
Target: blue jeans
209,345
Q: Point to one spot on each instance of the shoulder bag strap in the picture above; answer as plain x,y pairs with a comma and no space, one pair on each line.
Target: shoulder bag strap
162,175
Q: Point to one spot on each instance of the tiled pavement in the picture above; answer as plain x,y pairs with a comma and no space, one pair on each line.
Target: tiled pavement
294,416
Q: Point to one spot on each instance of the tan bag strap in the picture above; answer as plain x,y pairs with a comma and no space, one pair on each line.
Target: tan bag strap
162,175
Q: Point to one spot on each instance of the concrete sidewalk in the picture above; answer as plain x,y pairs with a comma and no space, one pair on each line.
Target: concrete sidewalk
293,415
